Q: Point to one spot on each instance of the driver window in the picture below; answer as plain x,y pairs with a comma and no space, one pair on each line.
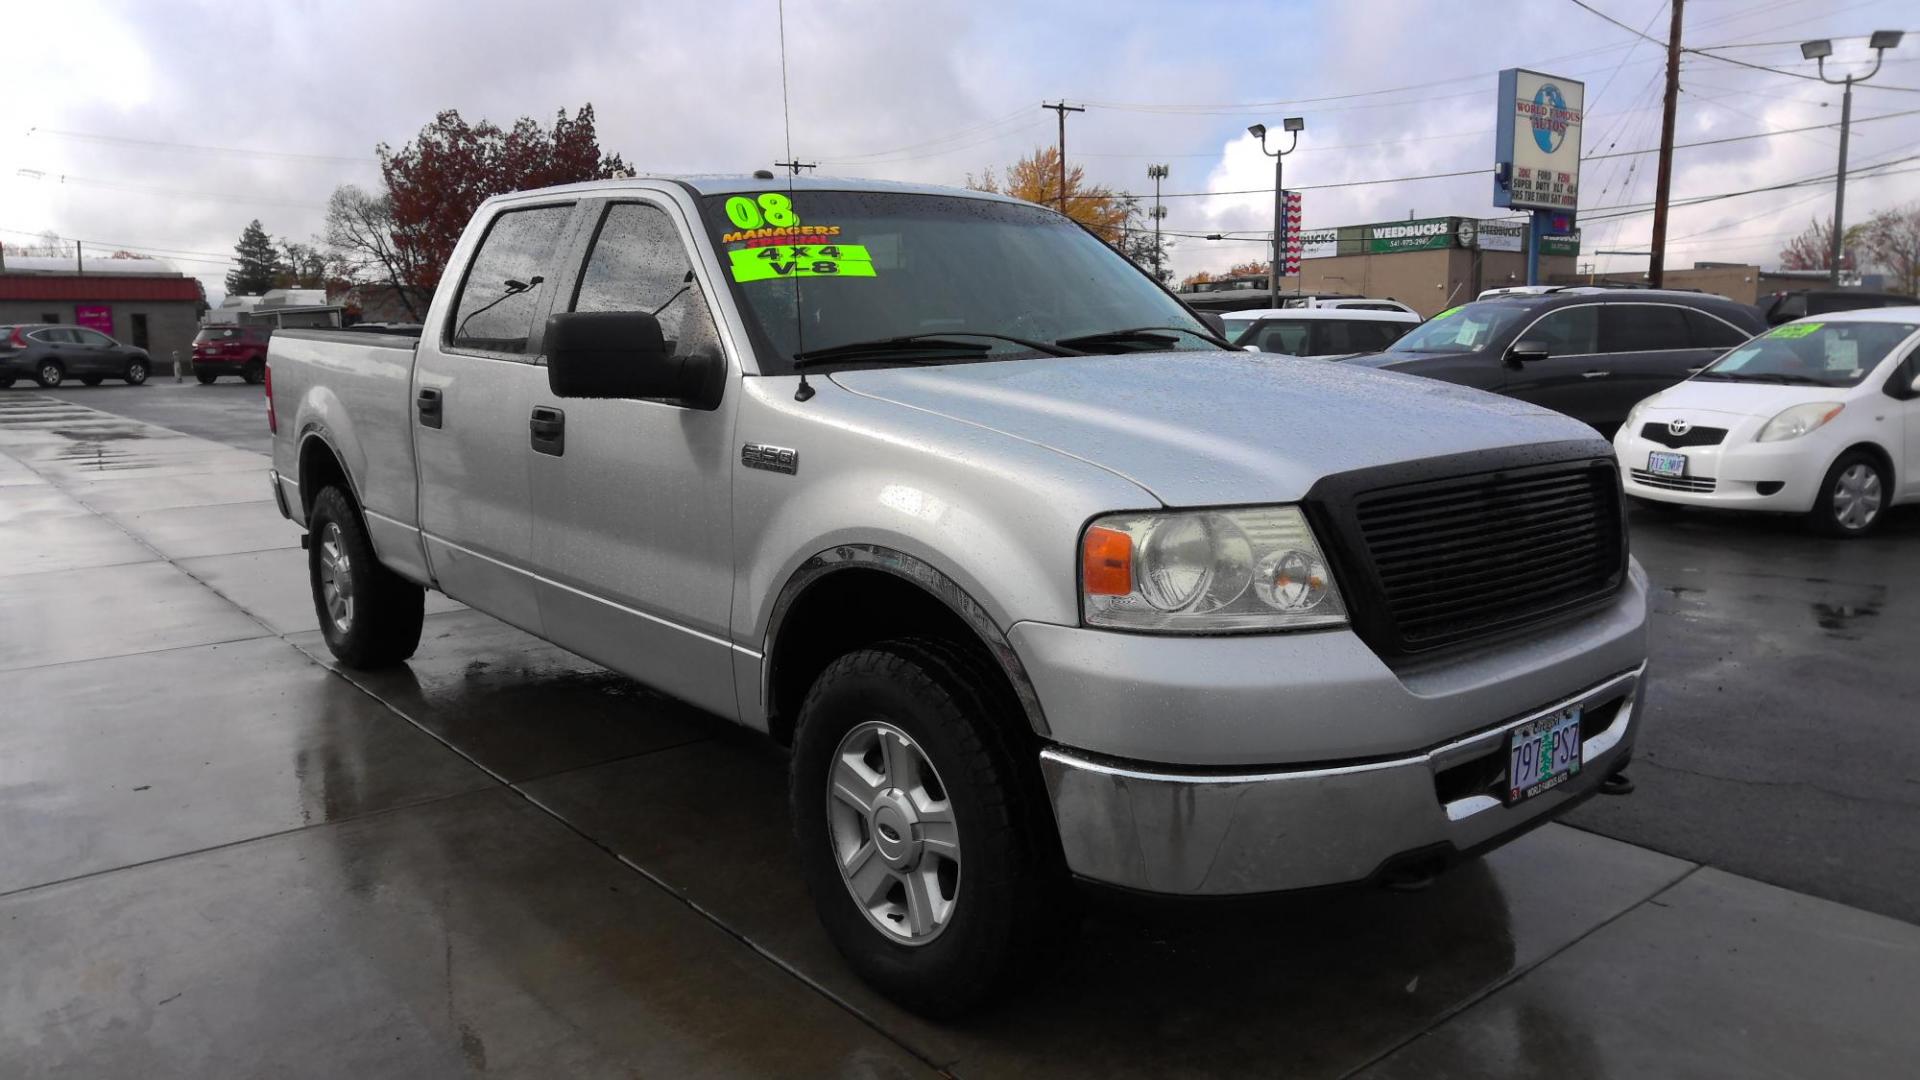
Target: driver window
1570,331
639,263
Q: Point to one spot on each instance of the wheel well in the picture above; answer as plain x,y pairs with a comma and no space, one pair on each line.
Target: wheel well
1880,455
844,611
319,470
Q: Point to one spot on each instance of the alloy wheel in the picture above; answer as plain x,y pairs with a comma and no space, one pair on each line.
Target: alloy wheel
336,578
51,374
1857,497
893,833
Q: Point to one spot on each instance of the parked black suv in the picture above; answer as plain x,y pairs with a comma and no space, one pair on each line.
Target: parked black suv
1590,353
49,354
1799,303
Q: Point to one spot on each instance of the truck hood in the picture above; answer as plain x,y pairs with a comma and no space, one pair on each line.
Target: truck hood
1216,428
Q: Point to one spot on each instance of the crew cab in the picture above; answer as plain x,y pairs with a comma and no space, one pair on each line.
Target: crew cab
1039,580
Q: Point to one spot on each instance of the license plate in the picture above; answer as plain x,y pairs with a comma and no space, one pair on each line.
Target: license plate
1543,754
1660,464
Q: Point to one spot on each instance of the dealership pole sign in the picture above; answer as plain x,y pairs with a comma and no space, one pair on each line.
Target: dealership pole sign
1537,141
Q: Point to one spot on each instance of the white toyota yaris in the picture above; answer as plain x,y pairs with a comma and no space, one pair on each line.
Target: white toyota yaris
1820,417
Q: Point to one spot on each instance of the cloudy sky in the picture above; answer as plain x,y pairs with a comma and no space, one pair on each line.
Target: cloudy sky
167,126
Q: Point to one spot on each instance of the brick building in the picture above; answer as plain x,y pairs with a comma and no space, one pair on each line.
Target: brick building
141,302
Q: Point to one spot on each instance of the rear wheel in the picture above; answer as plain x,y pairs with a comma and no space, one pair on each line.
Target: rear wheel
50,374
6,384
90,380
922,825
136,372
1853,497
369,615
255,373
206,378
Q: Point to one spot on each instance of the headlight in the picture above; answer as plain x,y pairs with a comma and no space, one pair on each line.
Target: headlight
1797,421
1207,571
1632,423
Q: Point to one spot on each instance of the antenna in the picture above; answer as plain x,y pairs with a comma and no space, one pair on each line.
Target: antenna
804,391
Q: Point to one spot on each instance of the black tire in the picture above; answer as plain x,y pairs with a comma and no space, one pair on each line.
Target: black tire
1853,496
255,373
1013,909
6,384
91,380
206,378
50,374
382,624
136,372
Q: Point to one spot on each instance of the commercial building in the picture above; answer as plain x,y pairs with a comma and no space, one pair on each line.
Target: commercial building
1429,264
141,302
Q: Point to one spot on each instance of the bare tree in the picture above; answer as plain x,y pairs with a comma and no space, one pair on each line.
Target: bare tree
361,249
1891,241
1813,248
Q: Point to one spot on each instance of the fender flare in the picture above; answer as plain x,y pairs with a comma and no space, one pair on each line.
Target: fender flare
929,579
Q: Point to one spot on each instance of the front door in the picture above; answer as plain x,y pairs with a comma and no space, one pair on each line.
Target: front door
1574,376
633,522
473,387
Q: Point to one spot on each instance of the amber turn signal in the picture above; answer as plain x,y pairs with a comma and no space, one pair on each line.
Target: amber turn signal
1106,562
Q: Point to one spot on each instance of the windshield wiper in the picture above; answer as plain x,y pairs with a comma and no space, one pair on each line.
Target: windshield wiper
1141,335
910,346
1779,378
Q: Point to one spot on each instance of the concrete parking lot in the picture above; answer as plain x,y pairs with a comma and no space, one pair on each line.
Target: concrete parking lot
222,856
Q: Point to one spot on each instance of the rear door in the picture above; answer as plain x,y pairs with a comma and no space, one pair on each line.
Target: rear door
474,385
1651,347
632,533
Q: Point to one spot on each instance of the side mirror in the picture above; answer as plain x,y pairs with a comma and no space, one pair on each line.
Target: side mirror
1914,386
623,354
1214,323
1525,352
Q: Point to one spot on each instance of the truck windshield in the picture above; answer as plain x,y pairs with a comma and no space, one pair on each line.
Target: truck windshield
1469,328
815,270
1812,353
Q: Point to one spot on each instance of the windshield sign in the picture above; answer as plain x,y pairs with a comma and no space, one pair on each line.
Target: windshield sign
1469,328
1811,353
813,271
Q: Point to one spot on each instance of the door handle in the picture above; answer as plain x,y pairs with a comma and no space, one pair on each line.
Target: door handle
1595,374
547,430
429,403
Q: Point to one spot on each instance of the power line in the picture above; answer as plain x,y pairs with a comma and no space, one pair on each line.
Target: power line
160,144
215,196
168,253
1747,137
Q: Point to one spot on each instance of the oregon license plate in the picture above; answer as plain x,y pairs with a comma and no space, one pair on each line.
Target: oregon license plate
1660,464
1543,754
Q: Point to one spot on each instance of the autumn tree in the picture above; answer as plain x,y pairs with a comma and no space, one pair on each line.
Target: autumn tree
300,266
1813,248
256,259
1255,268
1891,241
1198,277
1113,216
435,182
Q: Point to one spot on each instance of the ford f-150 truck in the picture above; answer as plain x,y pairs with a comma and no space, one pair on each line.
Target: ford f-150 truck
1039,581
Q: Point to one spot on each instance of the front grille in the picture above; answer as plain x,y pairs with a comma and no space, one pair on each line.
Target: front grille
1698,484
1700,436
1464,557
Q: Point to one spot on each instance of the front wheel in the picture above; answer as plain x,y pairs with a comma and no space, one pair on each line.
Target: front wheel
1852,498
369,615
50,374
254,373
136,372
922,825
6,384
206,378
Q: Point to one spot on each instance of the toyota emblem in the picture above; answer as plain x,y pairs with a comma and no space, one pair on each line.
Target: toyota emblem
1678,427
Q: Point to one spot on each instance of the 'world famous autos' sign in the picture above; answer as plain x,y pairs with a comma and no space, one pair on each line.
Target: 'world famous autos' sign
1537,141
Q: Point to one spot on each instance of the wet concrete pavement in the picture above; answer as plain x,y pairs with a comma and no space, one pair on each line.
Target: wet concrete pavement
220,856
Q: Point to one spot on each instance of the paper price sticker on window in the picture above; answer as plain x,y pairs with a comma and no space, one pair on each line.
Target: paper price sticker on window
800,260
1796,330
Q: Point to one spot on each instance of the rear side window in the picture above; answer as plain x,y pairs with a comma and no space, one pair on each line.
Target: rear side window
1710,333
56,336
640,263
1352,336
505,291
1643,328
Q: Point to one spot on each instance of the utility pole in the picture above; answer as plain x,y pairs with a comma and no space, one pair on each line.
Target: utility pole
1663,182
79,266
1881,41
1062,109
1158,173
793,167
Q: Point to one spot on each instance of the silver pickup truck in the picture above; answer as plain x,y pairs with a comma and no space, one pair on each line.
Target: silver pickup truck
1038,580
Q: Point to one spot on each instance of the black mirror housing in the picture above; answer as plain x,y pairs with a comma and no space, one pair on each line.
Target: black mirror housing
1214,323
623,354
1525,352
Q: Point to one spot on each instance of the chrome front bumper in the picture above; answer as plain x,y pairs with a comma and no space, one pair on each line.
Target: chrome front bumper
1217,833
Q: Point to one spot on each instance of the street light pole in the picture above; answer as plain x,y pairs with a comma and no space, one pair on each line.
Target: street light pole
1818,50
1294,125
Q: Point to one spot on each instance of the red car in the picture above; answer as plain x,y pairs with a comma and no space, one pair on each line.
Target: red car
231,350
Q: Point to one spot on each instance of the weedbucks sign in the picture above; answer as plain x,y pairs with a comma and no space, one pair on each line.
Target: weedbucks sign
1424,234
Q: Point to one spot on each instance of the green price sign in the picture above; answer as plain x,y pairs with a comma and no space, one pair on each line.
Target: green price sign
1796,330
770,208
800,260
1449,313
